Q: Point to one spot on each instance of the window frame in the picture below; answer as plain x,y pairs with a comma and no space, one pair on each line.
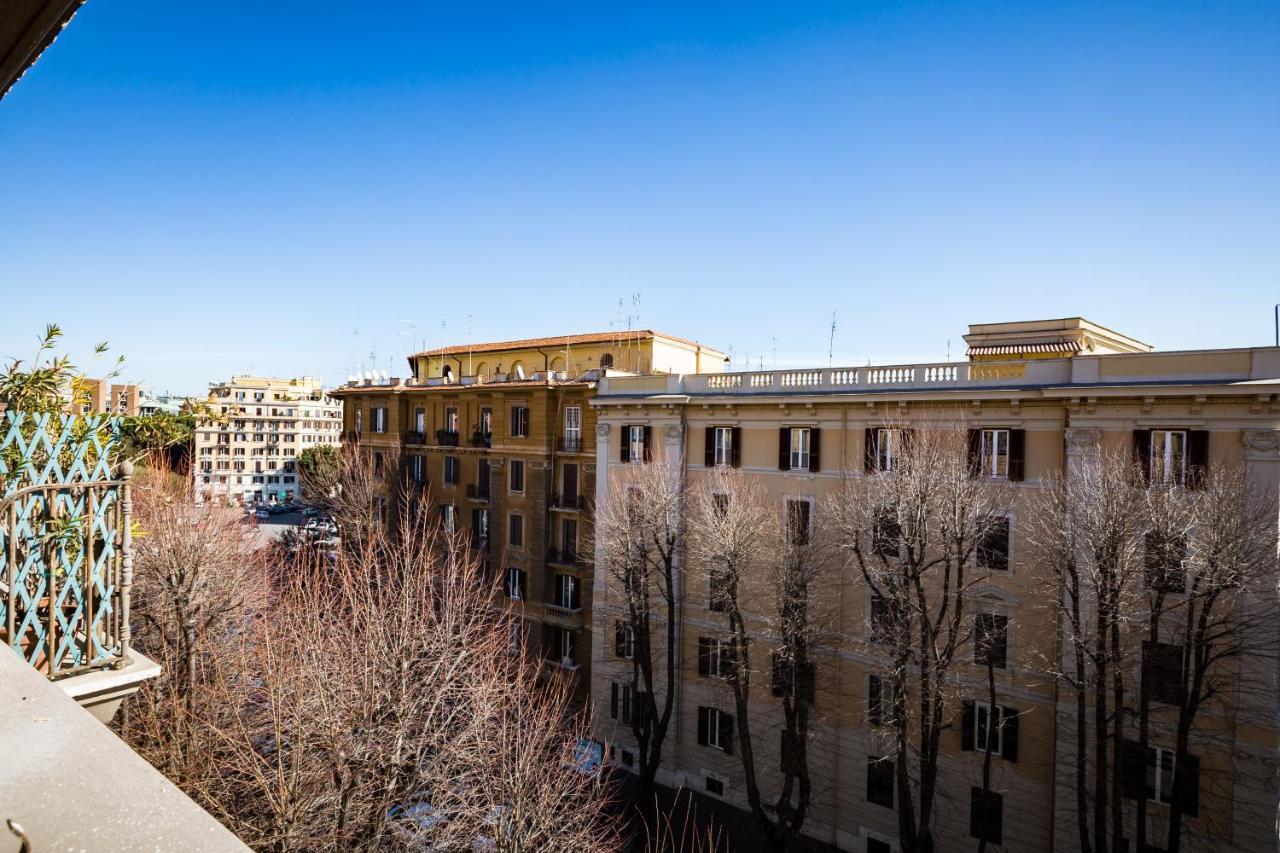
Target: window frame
887,451
1000,625
1167,456
1006,519
519,425
993,456
722,454
801,450
635,443
513,466
511,526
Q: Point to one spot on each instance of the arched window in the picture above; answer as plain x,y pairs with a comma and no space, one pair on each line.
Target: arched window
482,370
447,373
606,360
557,364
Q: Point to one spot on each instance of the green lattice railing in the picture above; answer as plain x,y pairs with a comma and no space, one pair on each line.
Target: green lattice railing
65,562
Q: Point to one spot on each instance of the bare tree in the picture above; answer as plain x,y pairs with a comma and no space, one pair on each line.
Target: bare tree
640,534
764,565
912,533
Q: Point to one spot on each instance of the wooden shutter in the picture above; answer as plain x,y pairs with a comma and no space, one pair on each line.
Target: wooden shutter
648,452
1017,455
784,449
702,725
975,452
709,453
1133,759
1142,454
869,456
726,732
815,448
1197,456
1186,785
735,447
967,717
613,699
1009,743
626,443
704,656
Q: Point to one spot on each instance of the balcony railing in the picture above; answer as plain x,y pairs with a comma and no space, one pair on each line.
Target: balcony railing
445,438
414,438
565,617
565,557
567,503
480,438
569,444
478,493
65,543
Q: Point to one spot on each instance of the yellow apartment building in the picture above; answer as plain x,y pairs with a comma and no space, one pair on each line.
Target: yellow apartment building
498,439
1043,393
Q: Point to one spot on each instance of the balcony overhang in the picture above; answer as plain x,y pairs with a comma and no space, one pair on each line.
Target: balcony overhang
27,27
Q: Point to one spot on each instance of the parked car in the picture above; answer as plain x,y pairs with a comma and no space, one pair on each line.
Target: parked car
310,511
262,512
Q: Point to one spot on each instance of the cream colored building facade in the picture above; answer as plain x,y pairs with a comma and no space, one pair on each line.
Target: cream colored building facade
248,453
1062,389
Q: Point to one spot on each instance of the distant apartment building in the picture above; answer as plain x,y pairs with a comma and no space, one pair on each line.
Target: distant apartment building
168,404
247,451
104,397
498,441
1034,397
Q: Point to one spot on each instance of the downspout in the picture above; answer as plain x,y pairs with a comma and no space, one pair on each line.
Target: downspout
679,578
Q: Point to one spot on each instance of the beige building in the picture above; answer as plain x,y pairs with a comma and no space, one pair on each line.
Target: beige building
1040,393
498,440
248,452
104,397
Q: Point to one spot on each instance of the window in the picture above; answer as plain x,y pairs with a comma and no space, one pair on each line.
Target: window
1162,675
515,583
1164,561
714,786
420,420
993,545
635,443
622,705
516,481
515,530
606,360
480,528
568,592
486,424
795,448
986,815
569,539
984,724
359,418
569,484
448,514
572,428
624,640
1169,457
792,678
715,729
628,758
884,622
884,447
720,595
715,658
379,418
519,421
451,419
415,467
880,700
799,512
991,640
378,463
559,646
875,845
451,470
722,446
1156,774
886,533
880,780
993,460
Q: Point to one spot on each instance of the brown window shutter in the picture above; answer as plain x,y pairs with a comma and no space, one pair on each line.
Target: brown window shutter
1009,740
709,452
735,449
815,449
626,443
1186,784
648,452
967,723
1142,454
726,733
702,725
1133,760
1017,455
704,656
975,452
613,699
1197,456
784,449
869,457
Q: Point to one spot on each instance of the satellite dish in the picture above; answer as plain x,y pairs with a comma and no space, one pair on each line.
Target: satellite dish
520,371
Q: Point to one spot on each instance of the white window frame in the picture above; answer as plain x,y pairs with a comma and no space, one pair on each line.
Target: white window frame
519,420
714,666
723,437
379,418
515,586
451,419
993,456
801,448
448,517
1168,457
635,443
713,728
887,440
415,465
564,647
1158,776
572,424
982,716
420,420
564,591
1008,518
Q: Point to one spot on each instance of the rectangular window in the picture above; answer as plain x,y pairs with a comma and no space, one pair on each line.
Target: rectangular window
886,533
451,420
880,700
572,429
799,511
719,596
624,640
888,447
448,515
515,583
1159,775
451,470
637,445
884,621
1162,675
379,418
993,545
569,484
517,476
723,446
568,592
519,421
420,420
515,530
1169,457
991,640
715,729
800,448
415,465
715,658
988,725
880,780
714,786
986,815
1164,561
622,705
994,458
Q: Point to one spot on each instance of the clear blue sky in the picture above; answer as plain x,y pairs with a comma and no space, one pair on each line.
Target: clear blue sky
221,187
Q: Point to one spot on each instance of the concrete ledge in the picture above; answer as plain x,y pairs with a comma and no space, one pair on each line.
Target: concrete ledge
73,785
101,691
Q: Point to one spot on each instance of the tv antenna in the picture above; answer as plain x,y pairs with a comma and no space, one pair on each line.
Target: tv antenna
831,343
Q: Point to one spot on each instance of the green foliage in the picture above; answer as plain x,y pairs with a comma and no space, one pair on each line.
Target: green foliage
151,435
318,472
51,383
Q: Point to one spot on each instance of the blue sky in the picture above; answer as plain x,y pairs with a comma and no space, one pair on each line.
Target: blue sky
220,187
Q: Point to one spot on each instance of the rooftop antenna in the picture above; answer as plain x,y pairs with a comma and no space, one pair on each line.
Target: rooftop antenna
442,325
775,352
831,343
470,372
948,349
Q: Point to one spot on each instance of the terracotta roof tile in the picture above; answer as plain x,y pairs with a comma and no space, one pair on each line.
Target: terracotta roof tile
557,341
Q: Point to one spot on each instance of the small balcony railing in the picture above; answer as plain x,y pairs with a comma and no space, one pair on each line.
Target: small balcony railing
567,503
478,493
569,444
479,438
565,557
66,565
445,438
414,438
565,617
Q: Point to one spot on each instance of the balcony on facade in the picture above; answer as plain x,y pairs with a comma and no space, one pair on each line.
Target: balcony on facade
563,617
478,492
413,438
446,438
480,438
567,503
566,558
569,444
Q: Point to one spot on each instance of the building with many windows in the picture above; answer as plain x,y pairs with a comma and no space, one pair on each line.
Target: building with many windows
247,452
498,440
1034,397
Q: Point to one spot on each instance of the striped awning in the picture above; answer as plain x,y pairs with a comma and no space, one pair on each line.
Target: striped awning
1017,349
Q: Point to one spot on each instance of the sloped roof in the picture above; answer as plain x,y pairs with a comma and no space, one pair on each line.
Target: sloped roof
558,341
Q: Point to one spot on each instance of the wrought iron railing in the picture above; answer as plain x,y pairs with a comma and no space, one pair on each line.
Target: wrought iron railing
65,542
